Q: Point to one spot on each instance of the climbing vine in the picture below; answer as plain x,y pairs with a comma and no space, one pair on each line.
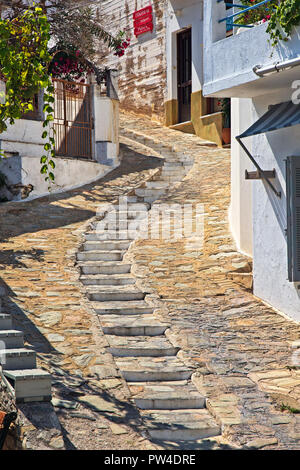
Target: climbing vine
283,18
27,65
24,60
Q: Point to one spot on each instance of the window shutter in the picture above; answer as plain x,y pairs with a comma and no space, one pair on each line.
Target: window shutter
293,217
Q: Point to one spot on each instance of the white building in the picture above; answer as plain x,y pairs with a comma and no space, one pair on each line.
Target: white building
264,212
161,74
87,141
86,121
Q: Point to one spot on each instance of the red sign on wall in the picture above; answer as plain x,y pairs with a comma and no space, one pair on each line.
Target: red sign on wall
143,12
143,21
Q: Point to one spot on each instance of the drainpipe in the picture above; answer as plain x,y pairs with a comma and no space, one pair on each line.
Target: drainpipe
288,64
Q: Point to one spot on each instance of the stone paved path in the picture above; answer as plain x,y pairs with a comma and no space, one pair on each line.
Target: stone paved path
39,240
172,409
239,349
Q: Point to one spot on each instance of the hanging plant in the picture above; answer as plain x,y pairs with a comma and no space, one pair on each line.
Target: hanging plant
283,18
261,13
70,67
120,43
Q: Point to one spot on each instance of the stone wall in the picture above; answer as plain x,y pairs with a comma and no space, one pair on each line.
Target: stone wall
142,70
13,440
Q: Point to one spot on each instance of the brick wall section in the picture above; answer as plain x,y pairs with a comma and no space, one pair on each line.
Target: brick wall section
142,71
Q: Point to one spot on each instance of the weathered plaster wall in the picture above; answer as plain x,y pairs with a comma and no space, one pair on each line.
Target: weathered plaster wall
142,70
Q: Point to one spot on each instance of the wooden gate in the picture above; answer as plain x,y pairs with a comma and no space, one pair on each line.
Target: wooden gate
73,122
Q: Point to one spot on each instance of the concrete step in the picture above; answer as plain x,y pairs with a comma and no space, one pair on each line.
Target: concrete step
107,280
99,255
114,293
16,359
182,425
5,321
166,396
93,267
145,369
99,245
134,325
30,385
122,308
10,339
141,346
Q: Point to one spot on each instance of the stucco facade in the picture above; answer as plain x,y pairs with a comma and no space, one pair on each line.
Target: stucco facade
23,145
149,70
258,216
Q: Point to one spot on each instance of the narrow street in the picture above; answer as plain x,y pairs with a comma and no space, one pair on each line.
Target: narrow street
239,350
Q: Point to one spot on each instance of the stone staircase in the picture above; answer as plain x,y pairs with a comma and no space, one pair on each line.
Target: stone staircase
18,364
159,382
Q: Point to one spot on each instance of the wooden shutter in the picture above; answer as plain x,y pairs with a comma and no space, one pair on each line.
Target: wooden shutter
293,217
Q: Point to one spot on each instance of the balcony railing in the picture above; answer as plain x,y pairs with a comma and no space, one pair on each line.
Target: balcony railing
230,19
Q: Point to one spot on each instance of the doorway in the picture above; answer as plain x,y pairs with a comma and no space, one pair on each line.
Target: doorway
184,78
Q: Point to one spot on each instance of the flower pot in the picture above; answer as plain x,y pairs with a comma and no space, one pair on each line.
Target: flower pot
226,135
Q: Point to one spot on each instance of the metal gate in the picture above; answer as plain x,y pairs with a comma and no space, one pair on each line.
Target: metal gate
73,122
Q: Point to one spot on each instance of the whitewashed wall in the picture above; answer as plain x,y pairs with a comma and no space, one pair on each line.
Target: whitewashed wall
240,212
269,214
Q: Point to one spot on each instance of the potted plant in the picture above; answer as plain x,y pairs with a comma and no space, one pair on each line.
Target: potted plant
226,109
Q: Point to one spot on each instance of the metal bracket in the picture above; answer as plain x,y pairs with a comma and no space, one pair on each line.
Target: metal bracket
263,174
256,175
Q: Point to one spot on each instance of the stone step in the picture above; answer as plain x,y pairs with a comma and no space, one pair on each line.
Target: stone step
107,280
99,245
10,339
114,234
166,396
157,184
143,369
92,267
98,255
30,385
134,325
172,164
141,346
5,321
16,359
114,293
122,308
182,425
144,192
167,179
